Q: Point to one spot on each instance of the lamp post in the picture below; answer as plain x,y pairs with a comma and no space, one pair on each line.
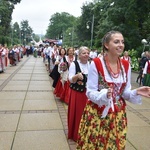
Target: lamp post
144,42
72,36
92,29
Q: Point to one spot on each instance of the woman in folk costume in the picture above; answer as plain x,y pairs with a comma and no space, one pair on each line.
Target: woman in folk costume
64,86
55,74
104,122
53,54
6,55
78,72
126,56
146,74
11,56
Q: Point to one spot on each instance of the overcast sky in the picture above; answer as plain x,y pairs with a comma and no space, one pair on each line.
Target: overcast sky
38,12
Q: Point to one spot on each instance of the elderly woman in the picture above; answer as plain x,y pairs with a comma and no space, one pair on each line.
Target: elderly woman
78,72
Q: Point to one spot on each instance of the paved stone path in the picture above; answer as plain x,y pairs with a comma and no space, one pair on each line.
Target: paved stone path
32,118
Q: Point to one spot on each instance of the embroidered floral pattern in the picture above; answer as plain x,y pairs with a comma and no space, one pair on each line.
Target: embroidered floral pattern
101,82
102,134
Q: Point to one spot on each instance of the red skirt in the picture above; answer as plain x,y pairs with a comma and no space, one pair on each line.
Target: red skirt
62,90
58,88
65,92
77,102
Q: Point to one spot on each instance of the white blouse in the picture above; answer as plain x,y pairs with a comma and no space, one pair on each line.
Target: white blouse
72,69
100,97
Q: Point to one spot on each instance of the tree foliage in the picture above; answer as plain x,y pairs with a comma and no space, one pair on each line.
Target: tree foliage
6,9
59,23
21,34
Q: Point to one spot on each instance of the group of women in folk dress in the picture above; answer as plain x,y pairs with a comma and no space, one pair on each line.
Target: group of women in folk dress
73,70
10,55
96,92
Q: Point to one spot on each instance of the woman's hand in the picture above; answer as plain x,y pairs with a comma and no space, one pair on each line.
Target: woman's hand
142,75
80,76
57,62
109,93
144,91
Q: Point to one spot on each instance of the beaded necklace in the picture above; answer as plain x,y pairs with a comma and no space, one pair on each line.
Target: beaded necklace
116,86
114,75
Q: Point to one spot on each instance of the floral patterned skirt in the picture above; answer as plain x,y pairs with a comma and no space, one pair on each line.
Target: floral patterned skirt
96,133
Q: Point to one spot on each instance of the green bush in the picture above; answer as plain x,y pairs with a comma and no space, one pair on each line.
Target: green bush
134,59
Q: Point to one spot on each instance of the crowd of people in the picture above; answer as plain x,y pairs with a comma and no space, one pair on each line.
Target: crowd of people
95,87
10,56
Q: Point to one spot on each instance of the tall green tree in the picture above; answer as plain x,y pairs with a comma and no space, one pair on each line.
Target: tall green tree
6,10
127,17
84,33
59,23
26,32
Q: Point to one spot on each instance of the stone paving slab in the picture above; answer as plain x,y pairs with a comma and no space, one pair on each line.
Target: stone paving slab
6,139
4,76
40,83
35,86
145,104
42,68
139,137
41,140
1,82
12,95
8,122
39,121
39,71
11,71
40,95
8,105
22,77
41,77
16,85
24,71
27,68
134,120
146,114
129,146
40,105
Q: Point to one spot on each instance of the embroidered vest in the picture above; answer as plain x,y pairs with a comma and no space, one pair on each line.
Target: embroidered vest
80,85
119,104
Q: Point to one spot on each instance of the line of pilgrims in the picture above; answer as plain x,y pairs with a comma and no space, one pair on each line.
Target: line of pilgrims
10,56
69,70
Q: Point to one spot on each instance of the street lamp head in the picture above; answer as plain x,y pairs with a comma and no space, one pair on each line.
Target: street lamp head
144,41
87,26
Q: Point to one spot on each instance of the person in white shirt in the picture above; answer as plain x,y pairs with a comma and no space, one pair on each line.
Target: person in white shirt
51,49
93,54
104,120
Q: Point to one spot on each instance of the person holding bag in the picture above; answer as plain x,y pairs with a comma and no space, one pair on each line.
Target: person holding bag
78,72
